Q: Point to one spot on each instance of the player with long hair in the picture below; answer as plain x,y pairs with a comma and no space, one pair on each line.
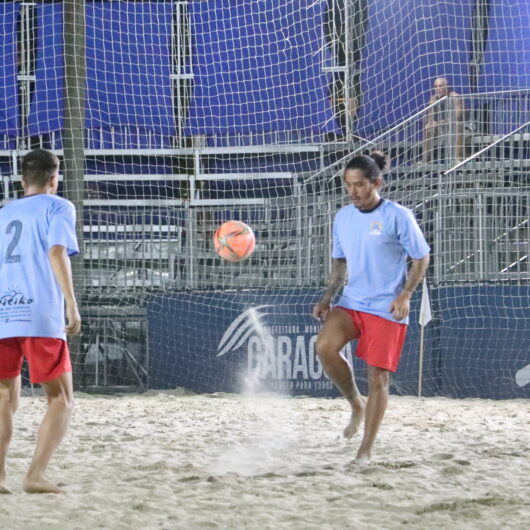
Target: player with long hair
372,240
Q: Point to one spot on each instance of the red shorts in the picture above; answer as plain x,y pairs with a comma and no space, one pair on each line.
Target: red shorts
380,341
47,358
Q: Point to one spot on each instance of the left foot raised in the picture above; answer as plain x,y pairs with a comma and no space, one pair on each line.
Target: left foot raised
357,416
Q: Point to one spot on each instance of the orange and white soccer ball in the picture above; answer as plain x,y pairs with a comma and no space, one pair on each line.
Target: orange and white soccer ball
234,241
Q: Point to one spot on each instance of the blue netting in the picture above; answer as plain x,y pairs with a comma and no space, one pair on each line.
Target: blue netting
257,68
128,68
408,44
9,116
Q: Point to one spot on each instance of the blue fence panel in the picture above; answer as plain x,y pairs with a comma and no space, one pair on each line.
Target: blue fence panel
257,68
506,65
47,106
408,44
9,114
128,49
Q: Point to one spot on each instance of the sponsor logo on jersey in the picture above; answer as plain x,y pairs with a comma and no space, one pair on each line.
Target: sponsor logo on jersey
14,297
376,228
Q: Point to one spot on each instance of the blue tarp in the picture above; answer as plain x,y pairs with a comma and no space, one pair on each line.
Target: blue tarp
408,44
257,67
506,64
8,75
128,67
506,58
47,108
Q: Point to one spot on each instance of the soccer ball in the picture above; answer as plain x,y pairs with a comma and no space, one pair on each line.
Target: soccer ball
234,241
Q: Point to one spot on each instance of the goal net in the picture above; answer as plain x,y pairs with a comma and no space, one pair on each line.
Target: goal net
192,113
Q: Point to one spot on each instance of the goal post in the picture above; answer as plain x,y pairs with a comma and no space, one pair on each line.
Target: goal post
173,117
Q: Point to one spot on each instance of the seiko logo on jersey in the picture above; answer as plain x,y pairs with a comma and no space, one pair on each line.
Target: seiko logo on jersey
376,228
14,298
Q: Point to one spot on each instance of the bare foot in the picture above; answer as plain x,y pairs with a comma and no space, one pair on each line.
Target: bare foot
3,489
39,485
357,415
363,457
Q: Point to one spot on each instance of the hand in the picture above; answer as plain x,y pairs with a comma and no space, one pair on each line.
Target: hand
321,310
400,307
74,320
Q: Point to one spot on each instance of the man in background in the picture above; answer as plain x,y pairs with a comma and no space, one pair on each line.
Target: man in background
444,123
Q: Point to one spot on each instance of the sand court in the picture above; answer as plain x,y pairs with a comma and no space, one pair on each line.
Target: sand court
171,460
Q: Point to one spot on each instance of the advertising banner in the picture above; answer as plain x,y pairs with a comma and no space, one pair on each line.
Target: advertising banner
484,338
253,341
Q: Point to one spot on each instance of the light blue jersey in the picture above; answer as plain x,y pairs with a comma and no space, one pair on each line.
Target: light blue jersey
376,245
31,301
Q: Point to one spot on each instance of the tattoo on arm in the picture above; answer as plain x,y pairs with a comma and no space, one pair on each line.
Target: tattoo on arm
337,278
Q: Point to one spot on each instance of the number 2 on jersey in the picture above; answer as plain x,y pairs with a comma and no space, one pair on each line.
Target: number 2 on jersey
17,227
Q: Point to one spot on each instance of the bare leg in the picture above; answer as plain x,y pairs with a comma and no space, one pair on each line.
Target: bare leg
59,392
430,131
459,141
9,397
378,380
336,333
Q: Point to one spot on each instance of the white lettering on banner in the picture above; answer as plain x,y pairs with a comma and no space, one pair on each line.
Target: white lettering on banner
282,355
315,366
284,358
276,330
300,358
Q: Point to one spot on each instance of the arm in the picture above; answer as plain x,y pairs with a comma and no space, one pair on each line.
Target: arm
335,282
62,271
429,115
400,307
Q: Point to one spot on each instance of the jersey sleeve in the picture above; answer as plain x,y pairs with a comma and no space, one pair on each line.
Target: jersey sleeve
61,230
337,252
410,235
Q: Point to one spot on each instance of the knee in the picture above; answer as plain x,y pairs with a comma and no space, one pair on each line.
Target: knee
326,348
8,399
63,400
378,380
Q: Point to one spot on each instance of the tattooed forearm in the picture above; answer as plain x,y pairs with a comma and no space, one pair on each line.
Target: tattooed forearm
336,278
416,273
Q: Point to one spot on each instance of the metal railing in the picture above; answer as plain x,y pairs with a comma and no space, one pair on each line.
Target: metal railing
475,212
475,217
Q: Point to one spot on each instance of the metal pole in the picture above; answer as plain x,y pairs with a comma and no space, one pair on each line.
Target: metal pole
347,72
420,370
73,133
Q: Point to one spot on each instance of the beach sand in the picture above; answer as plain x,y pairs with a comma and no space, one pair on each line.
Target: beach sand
175,461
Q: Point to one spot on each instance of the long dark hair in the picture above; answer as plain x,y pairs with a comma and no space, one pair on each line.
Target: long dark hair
373,164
